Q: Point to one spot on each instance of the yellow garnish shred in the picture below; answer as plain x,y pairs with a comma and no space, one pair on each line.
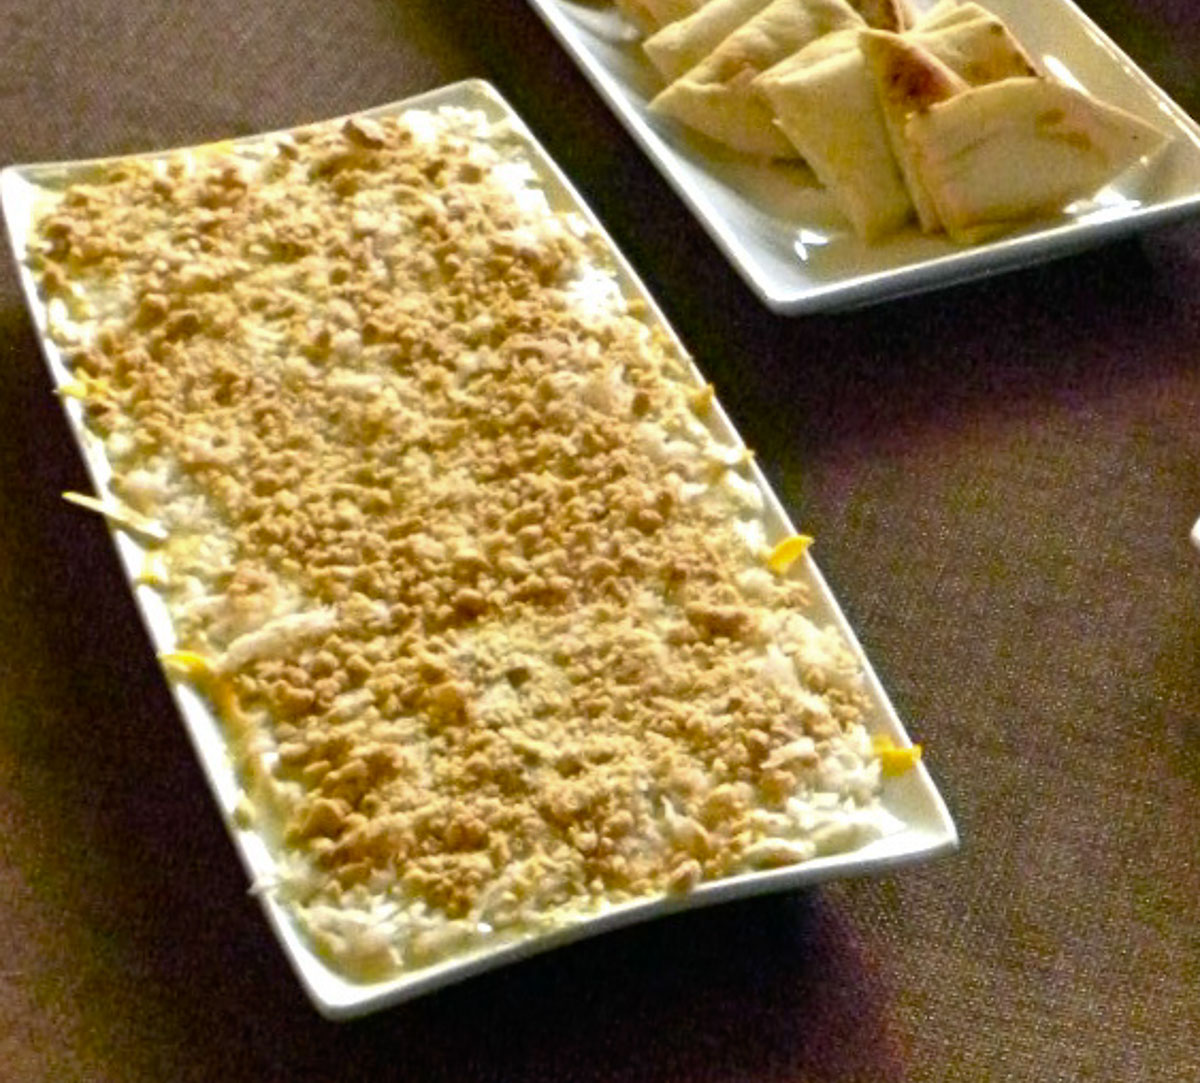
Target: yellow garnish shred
787,552
217,687
147,529
153,573
187,664
243,814
702,400
83,388
893,759
76,389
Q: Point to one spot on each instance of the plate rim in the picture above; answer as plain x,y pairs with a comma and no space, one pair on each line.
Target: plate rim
957,265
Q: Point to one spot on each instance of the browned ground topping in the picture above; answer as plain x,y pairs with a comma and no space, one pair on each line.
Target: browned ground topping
461,557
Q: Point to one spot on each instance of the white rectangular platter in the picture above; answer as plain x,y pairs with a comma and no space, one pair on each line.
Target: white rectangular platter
784,236
922,825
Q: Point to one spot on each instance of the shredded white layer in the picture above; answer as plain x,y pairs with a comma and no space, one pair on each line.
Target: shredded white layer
484,600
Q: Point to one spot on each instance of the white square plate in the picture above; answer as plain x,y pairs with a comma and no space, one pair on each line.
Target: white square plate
923,827
784,236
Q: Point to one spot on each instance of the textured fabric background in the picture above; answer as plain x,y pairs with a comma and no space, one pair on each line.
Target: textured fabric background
1001,478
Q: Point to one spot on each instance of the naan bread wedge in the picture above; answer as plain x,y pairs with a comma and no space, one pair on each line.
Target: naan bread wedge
915,71
836,41
650,15
831,113
907,79
682,45
894,15
947,13
981,50
716,98
997,154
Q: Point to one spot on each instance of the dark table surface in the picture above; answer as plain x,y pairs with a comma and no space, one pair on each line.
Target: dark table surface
1001,478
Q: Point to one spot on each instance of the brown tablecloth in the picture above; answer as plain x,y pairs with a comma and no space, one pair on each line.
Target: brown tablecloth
1001,477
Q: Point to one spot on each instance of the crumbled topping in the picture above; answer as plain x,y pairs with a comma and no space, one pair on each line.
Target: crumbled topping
485,605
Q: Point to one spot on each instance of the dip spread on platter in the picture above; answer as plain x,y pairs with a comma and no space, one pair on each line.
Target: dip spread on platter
487,608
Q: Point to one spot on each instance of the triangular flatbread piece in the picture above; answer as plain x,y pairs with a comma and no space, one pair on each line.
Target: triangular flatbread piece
683,44
830,111
894,15
650,15
907,79
981,50
837,41
997,154
948,12
715,97
922,68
